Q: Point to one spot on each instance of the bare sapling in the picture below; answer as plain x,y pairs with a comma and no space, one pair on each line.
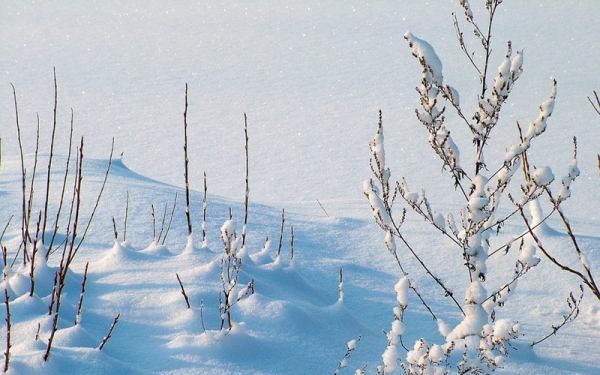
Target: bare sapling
480,341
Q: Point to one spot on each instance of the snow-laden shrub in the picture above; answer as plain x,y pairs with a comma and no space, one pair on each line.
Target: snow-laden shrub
480,342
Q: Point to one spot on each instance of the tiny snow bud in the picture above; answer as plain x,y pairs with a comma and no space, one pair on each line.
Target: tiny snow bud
427,57
527,256
543,176
453,95
351,345
572,174
516,68
467,8
401,289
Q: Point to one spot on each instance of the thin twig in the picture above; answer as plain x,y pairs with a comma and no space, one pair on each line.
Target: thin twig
281,232
204,206
170,220
323,208
110,330
54,122
596,106
202,315
292,242
571,316
64,185
24,224
185,296
153,224
8,330
34,251
247,191
80,304
126,217
186,162
162,223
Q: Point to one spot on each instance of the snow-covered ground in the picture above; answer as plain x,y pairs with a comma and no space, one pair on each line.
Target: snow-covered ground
311,78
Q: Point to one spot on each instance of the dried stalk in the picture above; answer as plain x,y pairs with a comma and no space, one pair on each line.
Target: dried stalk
110,330
185,296
8,331
247,191
281,232
80,304
170,220
47,196
186,162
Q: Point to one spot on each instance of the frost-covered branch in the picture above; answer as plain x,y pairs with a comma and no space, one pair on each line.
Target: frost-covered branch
381,206
343,363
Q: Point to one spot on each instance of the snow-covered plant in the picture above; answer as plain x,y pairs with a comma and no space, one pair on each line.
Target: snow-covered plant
343,363
231,264
479,343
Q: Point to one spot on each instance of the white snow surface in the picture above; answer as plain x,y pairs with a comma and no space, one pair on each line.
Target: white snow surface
311,77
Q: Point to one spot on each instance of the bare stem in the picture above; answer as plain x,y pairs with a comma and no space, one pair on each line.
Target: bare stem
204,210
8,331
247,191
80,304
47,196
64,185
110,330
281,232
126,217
185,296
186,162
24,224
170,220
